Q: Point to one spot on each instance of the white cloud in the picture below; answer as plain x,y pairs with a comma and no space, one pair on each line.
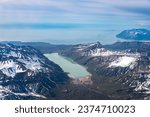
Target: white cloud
103,14
69,10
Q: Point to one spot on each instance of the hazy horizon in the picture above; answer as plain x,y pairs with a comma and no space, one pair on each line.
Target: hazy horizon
70,21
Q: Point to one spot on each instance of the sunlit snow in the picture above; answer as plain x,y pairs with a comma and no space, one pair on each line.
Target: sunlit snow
124,61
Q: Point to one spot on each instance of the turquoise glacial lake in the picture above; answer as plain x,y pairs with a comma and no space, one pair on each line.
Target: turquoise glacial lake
73,69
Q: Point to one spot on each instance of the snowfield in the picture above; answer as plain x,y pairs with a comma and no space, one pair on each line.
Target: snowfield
124,61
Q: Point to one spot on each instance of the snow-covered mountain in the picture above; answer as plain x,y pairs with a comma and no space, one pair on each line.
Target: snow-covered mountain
130,66
135,34
26,74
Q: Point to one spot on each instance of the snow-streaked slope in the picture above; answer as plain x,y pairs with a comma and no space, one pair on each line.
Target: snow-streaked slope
101,52
117,58
17,60
143,86
4,91
25,73
104,52
10,68
124,61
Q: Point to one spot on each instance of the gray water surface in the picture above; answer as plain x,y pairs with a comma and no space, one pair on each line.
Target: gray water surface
68,65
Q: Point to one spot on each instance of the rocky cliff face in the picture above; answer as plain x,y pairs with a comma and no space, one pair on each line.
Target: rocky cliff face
26,74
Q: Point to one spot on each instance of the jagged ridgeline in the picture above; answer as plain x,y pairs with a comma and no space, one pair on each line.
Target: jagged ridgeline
120,67
25,73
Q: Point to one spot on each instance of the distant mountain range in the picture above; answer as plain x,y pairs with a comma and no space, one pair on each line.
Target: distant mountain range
42,46
135,34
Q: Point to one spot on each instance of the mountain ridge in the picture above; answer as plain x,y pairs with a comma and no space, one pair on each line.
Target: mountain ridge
128,67
27,74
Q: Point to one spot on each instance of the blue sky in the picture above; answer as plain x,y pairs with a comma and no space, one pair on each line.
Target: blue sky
71,21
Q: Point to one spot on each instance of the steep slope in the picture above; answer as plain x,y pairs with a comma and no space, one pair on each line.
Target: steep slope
26,74
129,68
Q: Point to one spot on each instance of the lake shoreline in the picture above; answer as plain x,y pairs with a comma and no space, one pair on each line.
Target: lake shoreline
72,68
87,80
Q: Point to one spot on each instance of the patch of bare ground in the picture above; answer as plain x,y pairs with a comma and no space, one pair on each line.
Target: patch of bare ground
83,81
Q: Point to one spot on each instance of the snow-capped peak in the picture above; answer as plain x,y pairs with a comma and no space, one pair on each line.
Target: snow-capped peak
135,34
15,60
123,58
